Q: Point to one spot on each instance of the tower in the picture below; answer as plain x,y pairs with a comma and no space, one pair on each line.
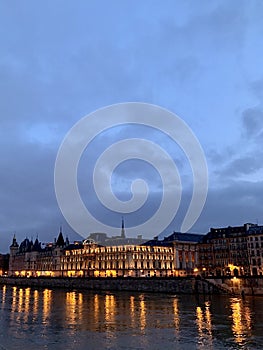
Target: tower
14,247
122,228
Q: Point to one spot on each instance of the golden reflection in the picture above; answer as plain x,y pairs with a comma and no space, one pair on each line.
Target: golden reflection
208,318
20,300
204,326
142,313
26,303
176,315
3,295
241,317
96,309
199,320
47,294
109,308
132,310
36,301
80,299
14,302
13,307
74,303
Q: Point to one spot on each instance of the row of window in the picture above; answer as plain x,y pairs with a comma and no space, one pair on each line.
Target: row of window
256,238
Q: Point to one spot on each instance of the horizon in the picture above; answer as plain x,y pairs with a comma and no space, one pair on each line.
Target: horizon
160,237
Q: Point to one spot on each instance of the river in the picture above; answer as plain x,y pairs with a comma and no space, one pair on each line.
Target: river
33,318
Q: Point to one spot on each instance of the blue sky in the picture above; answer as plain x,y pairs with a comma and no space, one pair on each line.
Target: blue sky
61,60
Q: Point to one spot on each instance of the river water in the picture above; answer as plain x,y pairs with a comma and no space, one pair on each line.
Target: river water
33,318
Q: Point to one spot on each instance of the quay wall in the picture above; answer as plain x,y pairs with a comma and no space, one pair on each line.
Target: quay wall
162,285
176,285
247,285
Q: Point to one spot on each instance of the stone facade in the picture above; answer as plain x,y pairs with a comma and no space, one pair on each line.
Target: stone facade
236,251
88,259
176,255
159,285
230,251
255,250
31,259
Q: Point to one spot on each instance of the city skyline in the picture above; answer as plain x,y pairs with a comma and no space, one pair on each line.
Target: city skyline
61,63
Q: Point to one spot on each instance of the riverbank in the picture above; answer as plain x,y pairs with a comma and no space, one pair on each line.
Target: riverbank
184,285
244,285
166,285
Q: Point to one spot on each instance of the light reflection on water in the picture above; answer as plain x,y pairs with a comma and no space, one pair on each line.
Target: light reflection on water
57,319
204,326
241,320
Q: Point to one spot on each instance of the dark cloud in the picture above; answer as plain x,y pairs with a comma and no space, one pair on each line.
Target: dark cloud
242,166
252,119
235,203
62,61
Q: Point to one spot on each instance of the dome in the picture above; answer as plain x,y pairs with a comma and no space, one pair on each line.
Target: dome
89,241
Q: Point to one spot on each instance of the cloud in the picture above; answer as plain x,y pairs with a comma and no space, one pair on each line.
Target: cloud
252,119
58,64
246,165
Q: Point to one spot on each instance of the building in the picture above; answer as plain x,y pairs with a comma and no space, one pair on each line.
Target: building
89,259
135,261
255,249
227,251
4,264
33,259
102,238
231,251
175,255
185,248
78,259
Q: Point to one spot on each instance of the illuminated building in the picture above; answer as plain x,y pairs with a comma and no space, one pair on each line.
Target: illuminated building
176,255
232,251
31,259
255,249
185,248
89,259
134,261
78,259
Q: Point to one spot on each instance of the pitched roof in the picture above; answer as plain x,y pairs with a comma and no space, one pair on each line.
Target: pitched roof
184,237
60,241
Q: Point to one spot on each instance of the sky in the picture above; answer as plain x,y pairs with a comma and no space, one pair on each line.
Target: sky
62,60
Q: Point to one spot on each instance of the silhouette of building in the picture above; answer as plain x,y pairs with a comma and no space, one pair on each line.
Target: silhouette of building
32,259
103,239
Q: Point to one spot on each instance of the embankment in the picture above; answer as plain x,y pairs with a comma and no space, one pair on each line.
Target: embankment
176,285
159,285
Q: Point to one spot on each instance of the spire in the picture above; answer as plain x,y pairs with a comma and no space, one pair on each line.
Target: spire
14,242
122,228
60,240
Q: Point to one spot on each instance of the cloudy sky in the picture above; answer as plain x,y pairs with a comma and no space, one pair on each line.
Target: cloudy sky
62,60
